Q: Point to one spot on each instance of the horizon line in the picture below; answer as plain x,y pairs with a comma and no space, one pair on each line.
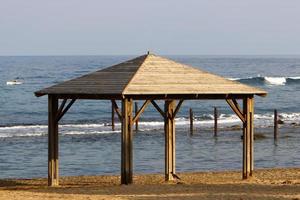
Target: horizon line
57,55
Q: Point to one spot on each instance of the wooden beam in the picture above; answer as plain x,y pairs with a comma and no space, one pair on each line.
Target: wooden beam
64,111
158,108
126,142
61,107
275,124
52,141
191,122
169,140
112,117
156,97
248,138
141,110
251,116
245,142
177,108
234,106
117,109
136,109
215,121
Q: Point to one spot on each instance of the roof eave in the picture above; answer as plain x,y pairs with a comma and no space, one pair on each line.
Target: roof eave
39,93
262,94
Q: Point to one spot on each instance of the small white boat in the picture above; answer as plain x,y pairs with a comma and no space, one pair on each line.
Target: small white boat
14,82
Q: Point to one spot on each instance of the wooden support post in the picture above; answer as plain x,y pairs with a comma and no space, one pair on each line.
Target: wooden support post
112,116
169,140
126,142
52,141
136,109
191,121
248,112
216,121
275,124
251,117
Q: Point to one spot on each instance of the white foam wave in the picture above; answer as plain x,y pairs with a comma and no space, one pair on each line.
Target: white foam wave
90,132
291,117
275,80
294,77
23,127
247,78
8,135
203,121
269,79
83,125
234,79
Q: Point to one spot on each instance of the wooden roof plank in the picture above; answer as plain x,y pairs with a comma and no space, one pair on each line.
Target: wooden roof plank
150,75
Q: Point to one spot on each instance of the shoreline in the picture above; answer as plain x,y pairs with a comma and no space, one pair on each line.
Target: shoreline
86,129
278,183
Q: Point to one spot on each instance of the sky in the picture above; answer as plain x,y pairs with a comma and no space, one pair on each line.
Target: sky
132,27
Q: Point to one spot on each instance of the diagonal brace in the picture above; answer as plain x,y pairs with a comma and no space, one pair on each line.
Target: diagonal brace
158,109
235,107
177,108
117,109
141,110
62,111
61,107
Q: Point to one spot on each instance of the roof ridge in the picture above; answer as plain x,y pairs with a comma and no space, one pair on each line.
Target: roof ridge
134,75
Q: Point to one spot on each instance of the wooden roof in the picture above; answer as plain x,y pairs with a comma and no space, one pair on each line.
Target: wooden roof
149,75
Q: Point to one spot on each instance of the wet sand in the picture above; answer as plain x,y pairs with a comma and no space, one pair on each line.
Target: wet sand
266,184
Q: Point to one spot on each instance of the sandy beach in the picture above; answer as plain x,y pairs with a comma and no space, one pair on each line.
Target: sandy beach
267,184
114,99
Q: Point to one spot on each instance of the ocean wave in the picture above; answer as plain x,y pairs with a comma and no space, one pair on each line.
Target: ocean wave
201,121
269,80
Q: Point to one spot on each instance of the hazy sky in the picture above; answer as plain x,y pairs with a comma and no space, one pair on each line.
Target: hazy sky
72,27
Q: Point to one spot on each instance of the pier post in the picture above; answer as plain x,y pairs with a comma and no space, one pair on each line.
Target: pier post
52,141
126,142
112,116
136,109
275,124
169,140
248,136
215,121
191,121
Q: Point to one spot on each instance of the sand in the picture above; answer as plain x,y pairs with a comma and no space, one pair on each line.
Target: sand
266,184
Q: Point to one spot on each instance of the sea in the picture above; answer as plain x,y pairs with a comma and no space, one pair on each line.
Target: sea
89,146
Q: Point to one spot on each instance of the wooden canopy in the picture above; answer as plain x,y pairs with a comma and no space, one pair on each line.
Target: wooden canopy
150,78
150,75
